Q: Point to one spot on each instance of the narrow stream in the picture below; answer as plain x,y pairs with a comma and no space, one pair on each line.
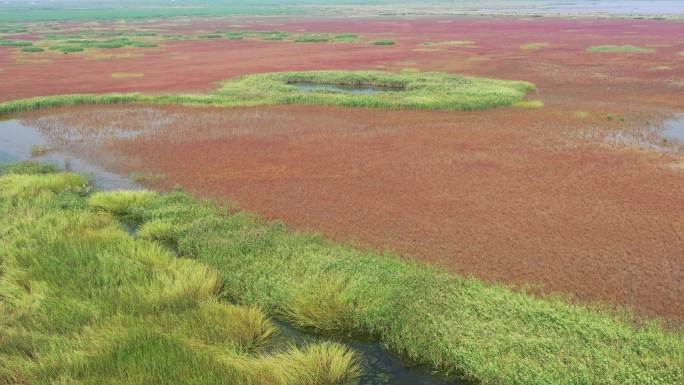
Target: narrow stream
380,367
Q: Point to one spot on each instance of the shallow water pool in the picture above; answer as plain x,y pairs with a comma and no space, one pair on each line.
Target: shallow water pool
17,139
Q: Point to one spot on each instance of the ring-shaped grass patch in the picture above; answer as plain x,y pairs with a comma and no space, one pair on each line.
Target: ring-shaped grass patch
429,90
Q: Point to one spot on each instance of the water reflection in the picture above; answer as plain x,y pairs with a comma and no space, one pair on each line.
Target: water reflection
17,140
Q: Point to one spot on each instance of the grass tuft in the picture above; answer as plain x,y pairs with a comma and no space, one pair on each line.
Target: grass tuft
383,42
120,202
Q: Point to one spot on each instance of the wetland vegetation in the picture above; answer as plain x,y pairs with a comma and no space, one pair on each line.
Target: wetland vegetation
193,262
525,244
435,91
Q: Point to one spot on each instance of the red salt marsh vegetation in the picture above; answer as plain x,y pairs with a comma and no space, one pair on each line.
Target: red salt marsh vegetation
522,196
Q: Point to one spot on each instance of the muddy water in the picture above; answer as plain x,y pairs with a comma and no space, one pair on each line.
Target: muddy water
380,367
356,90
17,140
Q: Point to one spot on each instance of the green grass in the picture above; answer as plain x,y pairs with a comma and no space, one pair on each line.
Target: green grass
15,43
346,38
383,42
485,333
619,49
31,49
84,302
27,167
313,38
67,48
419,91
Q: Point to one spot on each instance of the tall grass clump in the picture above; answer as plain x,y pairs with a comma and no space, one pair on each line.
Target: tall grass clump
120,202
484,333
84,302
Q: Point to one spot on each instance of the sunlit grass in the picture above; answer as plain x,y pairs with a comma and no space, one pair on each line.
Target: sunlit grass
450,323
417,90
84,302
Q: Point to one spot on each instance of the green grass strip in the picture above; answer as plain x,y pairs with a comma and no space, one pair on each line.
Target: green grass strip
484,333
627,48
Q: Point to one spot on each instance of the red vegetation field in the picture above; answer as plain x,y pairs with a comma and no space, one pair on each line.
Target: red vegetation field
519,196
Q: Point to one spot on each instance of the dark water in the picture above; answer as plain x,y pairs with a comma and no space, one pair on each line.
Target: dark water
380,367
356,90
16,140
